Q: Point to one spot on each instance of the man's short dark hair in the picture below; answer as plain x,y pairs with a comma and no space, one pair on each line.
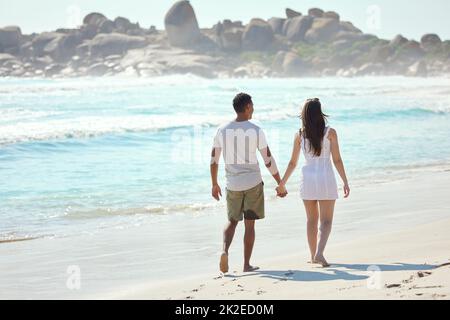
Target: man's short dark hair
240,101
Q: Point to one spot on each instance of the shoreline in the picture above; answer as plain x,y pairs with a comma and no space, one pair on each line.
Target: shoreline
399,173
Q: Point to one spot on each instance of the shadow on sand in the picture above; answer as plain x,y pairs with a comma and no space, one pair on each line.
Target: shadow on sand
333,272
386,267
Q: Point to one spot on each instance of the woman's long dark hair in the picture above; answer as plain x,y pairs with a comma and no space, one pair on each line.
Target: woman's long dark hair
313,125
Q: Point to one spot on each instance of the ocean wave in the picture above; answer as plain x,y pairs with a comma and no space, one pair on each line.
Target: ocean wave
93,126
148,210
21,114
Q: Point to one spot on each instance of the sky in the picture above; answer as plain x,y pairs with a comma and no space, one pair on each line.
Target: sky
384,18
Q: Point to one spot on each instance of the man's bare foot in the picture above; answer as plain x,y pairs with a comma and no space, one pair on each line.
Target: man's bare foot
223,262
320,259
250,268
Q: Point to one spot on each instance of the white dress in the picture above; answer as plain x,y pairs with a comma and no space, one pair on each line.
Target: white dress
318,181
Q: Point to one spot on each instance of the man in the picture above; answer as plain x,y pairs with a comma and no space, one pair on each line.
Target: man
239,140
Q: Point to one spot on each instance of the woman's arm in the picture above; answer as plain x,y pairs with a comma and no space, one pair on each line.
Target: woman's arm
292,164
337,160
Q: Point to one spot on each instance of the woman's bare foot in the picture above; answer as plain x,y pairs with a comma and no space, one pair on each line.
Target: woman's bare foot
223,265
250,268
320,259
312,261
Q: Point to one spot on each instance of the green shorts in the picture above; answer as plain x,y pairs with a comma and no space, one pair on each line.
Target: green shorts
248,204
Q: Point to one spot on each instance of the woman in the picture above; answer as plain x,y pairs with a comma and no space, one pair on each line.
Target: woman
318,187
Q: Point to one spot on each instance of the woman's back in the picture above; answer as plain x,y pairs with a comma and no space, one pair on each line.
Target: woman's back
317,180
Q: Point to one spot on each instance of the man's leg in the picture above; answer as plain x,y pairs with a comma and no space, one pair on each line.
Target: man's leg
228,234
249,241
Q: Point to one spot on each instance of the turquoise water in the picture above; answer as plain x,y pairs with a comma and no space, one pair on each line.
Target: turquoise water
78,156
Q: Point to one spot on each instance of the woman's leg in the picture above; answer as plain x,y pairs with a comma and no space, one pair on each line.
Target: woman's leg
326,221
312,216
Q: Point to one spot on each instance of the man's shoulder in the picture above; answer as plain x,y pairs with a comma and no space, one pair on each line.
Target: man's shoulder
239,125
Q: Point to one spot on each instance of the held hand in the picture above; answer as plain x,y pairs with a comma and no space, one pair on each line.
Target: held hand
346,190
281,191
216,192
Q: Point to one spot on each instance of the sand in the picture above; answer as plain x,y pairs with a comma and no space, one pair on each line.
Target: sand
406,261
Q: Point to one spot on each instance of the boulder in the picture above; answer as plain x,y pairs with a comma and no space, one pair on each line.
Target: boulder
62,47
292,13
231,39
94,19
332,15
316,12
398,41
181,24
104,45
5,57
296,28
293,65
123,25
349,27
430,41
277,25
97,69
410,50
322,29
418,69
106,26
258,35
40,42
380,53
10,37
277,63
289,64
88,31
53,69
349,36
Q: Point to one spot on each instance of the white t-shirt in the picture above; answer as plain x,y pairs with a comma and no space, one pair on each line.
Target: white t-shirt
239,142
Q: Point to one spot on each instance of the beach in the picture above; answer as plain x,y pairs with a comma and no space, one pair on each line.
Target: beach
107,188
413,263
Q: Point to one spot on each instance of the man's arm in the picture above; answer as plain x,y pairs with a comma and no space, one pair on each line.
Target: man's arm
214,168
270,163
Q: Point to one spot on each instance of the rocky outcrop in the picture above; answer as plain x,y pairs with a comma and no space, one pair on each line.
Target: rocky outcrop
258,35
316,44
292,13
181,25
322,29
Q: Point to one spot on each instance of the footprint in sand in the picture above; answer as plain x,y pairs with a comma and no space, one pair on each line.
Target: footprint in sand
260,292
421,274
393,285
